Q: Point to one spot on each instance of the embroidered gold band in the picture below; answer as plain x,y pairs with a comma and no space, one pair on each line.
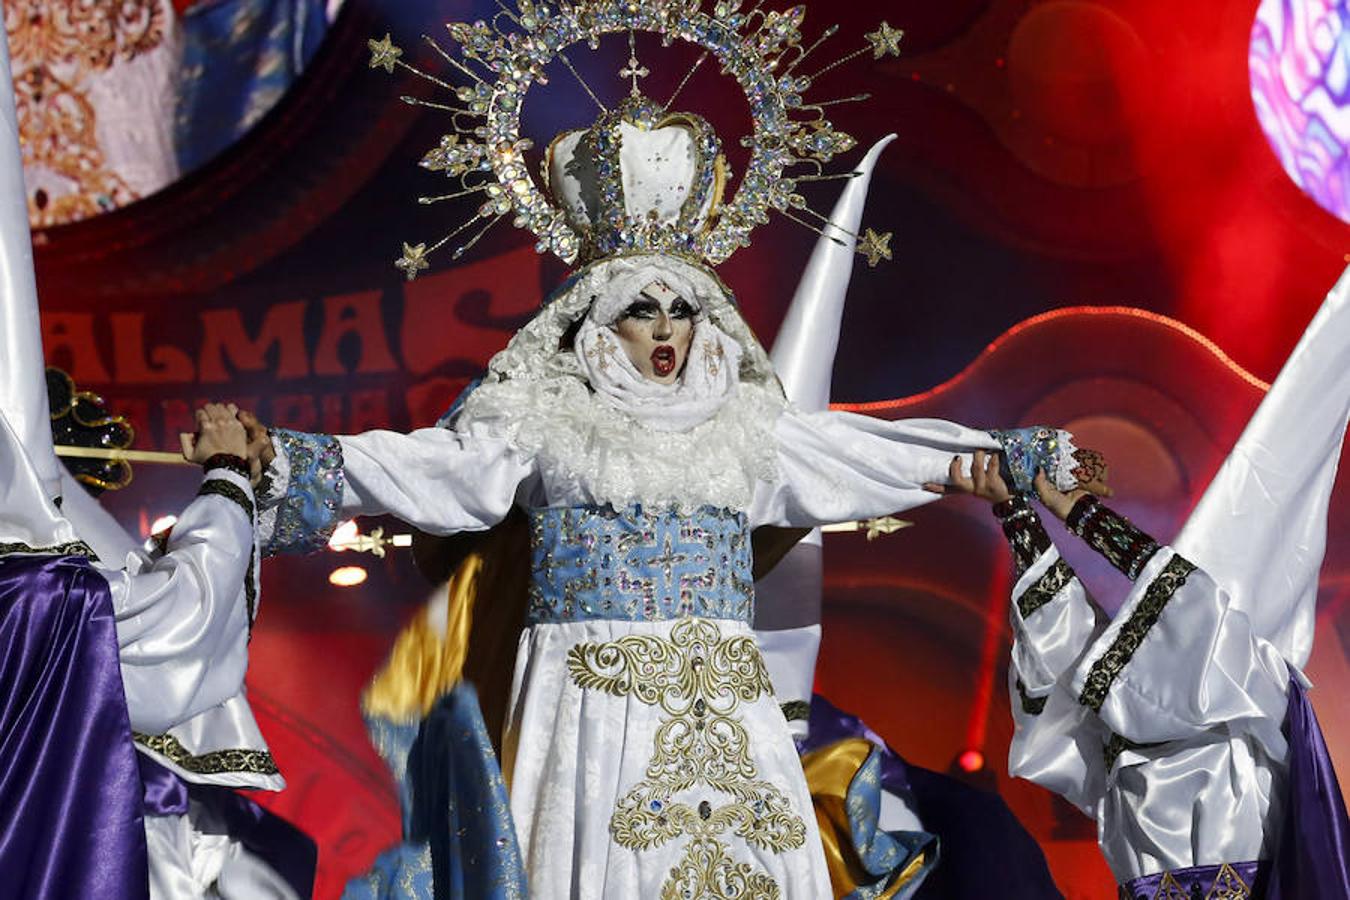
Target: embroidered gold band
796,710
1110,664
1051,582
216,762
73,548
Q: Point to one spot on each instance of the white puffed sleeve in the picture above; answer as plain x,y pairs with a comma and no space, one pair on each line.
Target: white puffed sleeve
1178,660
182,613
1057,743
438,480
838,466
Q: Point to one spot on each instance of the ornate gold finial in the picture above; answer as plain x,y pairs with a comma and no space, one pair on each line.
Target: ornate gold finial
885,40
414,260
383,54
876,246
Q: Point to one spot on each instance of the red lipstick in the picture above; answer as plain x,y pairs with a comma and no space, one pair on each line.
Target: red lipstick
663,360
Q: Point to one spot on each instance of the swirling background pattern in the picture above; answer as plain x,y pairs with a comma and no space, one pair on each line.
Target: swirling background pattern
1300,72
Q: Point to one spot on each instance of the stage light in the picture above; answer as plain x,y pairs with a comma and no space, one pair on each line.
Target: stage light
162,524
343,535
347,576
1296,63
971,761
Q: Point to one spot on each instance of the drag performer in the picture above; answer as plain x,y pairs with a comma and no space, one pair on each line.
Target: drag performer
1181,725
637,424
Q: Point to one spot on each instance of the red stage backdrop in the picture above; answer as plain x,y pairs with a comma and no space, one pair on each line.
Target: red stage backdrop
1057,161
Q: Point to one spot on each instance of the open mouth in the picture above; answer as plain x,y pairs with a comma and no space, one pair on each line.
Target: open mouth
663,360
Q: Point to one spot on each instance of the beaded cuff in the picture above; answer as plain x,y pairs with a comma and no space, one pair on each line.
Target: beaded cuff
1027,451
308,513
1112,535
1024,531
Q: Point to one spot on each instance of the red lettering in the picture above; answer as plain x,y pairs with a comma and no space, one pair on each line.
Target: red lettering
481,304
130,363
223,335
357,315
68,343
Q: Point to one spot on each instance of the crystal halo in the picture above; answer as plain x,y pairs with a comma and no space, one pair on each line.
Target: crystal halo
759,48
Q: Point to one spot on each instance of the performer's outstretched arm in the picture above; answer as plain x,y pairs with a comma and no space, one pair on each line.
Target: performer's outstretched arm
838,466
435,479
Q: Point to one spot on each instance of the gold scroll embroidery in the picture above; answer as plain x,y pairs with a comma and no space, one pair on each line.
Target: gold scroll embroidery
699,680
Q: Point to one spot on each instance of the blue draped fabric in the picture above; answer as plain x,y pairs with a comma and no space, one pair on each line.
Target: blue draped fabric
982,842
1313,859
459,841
70,790
239,58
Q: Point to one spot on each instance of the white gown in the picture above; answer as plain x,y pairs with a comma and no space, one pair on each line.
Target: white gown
645,753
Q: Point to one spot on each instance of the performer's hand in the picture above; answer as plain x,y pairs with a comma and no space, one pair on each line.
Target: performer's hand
1092,472
984,481
260,449
1058,502
218,431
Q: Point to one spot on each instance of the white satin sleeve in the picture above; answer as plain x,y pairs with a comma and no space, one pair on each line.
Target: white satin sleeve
1178,660
181,613
839,466
1057,743
435,479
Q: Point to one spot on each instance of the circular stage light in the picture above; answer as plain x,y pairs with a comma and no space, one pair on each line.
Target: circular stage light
348,576
1299,65
971,761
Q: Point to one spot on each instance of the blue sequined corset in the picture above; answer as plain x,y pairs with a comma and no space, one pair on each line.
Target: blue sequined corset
591,563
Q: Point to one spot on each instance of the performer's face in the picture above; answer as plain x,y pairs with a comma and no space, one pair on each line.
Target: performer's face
655,331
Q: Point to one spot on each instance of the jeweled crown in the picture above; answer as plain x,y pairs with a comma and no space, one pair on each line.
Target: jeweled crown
641,178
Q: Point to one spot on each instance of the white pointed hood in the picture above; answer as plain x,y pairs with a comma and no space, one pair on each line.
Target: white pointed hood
1261,528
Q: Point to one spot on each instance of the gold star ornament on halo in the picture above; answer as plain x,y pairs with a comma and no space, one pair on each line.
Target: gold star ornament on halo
875,246
383,54
413,260
885,40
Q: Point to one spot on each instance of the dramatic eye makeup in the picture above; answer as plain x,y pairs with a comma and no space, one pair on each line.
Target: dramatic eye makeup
642,309
645,308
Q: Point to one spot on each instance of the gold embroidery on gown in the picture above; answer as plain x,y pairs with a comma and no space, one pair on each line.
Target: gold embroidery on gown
699,680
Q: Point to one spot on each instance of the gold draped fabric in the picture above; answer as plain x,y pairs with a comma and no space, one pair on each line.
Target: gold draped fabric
830,775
